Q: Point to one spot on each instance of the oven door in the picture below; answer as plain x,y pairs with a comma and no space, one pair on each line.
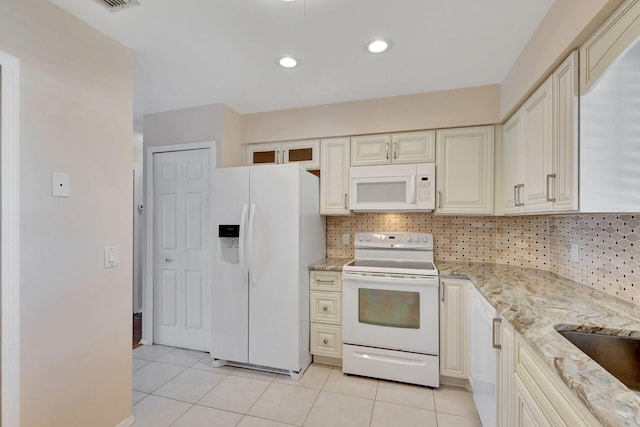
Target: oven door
392,311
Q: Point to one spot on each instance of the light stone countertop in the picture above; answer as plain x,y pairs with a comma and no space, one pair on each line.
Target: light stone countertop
329,264
535,301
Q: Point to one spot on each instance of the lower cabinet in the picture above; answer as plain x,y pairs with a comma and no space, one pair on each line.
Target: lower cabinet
528,392
325,313
454,328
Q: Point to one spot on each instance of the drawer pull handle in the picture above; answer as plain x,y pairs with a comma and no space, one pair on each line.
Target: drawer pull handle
325,308
325,281
326,341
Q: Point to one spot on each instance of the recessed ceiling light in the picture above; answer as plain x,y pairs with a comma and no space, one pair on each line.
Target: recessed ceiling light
287,61
378,45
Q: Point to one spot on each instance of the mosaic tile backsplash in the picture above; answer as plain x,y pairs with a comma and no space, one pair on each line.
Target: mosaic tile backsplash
609,244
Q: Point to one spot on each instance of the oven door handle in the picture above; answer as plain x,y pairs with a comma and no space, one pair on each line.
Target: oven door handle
422,281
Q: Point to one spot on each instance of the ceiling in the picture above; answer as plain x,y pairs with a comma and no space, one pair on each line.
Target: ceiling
188,53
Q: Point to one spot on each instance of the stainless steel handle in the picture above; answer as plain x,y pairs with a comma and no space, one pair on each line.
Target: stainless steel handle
168,260
549,199
325,308
520,202
326,341
439,199
387,151
346,196
443,285
325,281
395,150
515,195
277,157
493,333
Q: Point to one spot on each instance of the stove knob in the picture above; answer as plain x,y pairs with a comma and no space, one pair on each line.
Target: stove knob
409,239
425,239
360,238
368,238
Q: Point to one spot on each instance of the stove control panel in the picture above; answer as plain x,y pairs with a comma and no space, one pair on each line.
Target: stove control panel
418,241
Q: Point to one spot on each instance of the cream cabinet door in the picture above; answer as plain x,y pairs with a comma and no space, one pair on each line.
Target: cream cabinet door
608,43
413,147
565,135
306,152
263,154
464,170
334,176
370,150
527,411
538,145
506,381
454,328
512,164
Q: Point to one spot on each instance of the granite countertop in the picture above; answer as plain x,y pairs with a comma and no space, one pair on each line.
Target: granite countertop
329,264
535,301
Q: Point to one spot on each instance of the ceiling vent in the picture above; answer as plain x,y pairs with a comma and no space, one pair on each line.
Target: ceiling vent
117,5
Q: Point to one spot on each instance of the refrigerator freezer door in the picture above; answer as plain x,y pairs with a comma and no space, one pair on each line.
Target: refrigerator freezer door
274,295
230,290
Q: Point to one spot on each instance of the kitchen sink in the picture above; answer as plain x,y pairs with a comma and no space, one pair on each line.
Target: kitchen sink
619,355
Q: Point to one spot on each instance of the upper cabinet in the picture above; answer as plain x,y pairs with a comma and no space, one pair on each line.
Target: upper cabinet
406,147
306,152
464,171
540,147
334,176
608,43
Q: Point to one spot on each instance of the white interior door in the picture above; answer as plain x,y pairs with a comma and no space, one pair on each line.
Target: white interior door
182,249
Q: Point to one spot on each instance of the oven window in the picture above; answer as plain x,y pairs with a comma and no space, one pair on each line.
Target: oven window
397,309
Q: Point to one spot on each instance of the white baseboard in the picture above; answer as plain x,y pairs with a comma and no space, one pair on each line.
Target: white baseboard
128,422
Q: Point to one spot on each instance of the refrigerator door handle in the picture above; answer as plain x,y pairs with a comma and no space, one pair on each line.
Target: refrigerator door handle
241,241
252,213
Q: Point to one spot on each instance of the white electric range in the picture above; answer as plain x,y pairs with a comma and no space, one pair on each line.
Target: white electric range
390,309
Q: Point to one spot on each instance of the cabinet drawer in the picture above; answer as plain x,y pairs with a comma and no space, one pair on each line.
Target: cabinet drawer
326,280
326,340
326,307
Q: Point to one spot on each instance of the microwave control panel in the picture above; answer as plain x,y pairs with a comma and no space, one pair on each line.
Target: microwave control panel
426,188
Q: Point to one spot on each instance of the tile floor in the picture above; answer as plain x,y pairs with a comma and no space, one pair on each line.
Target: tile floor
176,387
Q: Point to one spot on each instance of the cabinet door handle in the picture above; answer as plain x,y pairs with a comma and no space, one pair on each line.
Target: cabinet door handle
387,151
515,195
520,202
442,287
325,308
549,199
277,157
325,341
395,150
439,199
325,281
346,196
493,333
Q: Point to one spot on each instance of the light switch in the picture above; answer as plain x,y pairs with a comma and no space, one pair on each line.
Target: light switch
60,186
110,256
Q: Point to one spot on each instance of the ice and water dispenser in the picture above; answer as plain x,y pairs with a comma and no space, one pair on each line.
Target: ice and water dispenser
229,241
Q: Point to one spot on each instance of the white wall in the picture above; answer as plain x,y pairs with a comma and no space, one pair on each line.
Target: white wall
75,330
215,122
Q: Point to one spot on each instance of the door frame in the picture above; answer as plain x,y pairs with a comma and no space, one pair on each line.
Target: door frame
147,272
10,239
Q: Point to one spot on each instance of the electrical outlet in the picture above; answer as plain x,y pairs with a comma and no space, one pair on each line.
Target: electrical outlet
576,252
345,239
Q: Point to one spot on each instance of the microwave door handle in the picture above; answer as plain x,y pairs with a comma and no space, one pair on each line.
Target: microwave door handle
413,190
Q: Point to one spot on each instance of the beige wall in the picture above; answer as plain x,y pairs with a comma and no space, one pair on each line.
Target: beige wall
75,331
451,108
215,122
565,27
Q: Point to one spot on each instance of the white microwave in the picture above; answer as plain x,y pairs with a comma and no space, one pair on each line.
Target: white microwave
406,187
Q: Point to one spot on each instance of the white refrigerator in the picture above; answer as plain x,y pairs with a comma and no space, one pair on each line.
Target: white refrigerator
269,229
